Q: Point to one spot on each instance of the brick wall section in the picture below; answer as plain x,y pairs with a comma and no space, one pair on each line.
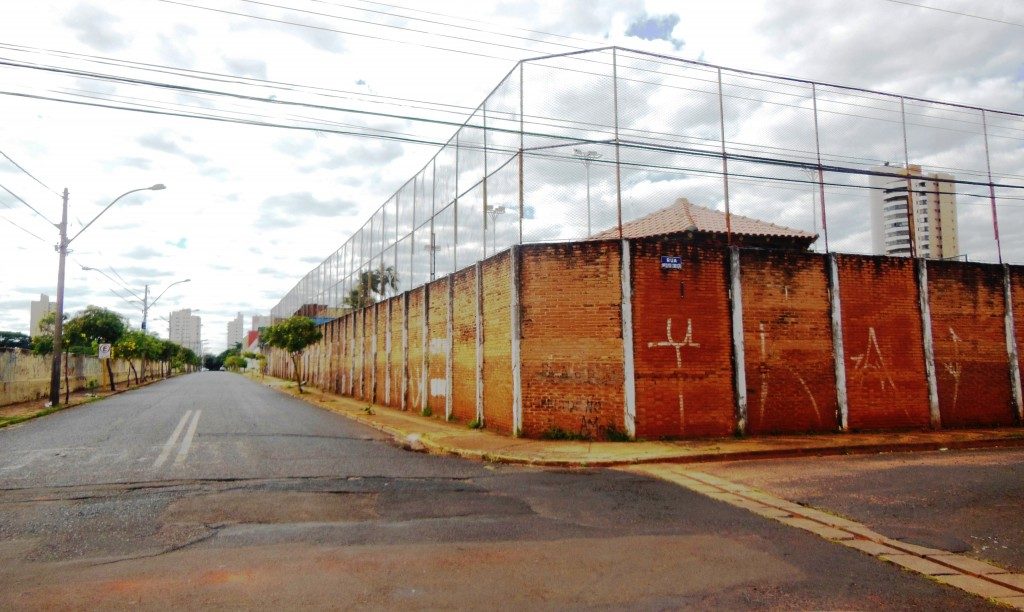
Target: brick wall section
464,346
787,334
572,369
497,343
416,314
882,342
436,375
682,342
363,357
969,338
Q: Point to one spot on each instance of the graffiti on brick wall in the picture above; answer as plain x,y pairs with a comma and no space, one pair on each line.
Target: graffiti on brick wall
439,386
870,366
588,409
677,346
955,368
770,360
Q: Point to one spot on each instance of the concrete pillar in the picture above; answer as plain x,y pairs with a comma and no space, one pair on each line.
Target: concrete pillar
628,365
479,342
739,366
514,313
935,416
1011,347
449,345
425,357
838,354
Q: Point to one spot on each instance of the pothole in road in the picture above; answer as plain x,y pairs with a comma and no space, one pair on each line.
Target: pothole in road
269,507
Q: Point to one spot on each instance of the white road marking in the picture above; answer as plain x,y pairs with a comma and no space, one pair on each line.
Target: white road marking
170,441
187,442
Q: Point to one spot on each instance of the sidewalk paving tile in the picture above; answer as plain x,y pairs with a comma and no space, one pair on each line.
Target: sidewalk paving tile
978,586
871,548
966,564
829,533
919,565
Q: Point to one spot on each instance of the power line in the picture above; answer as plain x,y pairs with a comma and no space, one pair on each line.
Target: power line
958,13
346,32
32,208
20,167
23,229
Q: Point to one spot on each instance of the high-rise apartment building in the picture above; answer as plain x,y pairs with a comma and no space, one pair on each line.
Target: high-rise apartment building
186,330
933,201
235,330
37,311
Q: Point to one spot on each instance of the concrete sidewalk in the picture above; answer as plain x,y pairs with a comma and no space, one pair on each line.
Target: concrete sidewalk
439,436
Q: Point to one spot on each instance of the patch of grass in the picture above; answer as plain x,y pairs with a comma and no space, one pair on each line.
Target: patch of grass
475,424
427,412
92,384
368,409
614,434
557,433
450,418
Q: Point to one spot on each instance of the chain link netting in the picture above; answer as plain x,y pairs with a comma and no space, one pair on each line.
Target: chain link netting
582,145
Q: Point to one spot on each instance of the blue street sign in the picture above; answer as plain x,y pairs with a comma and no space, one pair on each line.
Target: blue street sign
669,262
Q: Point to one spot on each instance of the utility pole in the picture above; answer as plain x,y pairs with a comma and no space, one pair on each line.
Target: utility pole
145,307
58,324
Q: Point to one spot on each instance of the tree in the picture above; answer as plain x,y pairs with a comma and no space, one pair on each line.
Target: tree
372,286
234,362
292,335
17,340
94,326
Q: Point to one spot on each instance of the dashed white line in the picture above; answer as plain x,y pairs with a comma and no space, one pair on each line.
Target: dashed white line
187,442
170,441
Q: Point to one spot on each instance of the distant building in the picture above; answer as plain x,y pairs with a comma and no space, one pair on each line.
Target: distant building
38,310
933,200
186,330
261,321
235,330
708,227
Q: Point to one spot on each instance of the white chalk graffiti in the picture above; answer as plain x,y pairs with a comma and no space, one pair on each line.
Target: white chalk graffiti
764,367
871,359
955,367
677,345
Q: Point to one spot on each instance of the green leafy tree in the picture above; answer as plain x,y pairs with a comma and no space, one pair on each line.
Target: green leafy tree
234,362
372,285
94,326
15,340
292,335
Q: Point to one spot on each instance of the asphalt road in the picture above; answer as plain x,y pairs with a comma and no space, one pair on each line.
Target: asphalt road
968,501
213,491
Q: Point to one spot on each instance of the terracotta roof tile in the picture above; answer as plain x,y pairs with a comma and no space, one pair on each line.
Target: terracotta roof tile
683,216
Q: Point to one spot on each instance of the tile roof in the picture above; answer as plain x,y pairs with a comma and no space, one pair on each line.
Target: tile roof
683,216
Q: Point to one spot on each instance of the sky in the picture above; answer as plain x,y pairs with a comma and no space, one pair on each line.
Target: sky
338,103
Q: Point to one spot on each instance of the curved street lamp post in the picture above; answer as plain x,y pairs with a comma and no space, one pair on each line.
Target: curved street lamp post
62,249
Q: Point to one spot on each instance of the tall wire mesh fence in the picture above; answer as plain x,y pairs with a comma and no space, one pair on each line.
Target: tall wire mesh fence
578,145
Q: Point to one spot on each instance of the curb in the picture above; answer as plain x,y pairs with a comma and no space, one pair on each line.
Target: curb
422,441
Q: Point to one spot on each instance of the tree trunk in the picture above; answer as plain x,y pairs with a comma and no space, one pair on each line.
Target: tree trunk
110,373
298,370
131,365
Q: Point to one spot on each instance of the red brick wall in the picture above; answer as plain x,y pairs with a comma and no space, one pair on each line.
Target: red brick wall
464,346
882,342
787,334
365,364
684,375
969,338
572,373
416,314
497,294
436,379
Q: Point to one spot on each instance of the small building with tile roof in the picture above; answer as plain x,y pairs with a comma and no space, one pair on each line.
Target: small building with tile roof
705,226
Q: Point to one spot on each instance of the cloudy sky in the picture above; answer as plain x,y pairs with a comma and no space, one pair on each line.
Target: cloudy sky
325,108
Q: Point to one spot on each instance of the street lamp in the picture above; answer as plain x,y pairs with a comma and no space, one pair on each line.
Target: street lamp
62,249
146,304
494,211
587,157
